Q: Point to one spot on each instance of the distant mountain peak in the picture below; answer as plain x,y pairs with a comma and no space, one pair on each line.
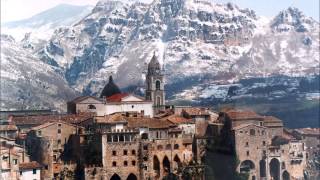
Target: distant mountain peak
292,19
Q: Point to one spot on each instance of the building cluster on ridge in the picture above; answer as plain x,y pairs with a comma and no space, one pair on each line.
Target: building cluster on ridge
124,136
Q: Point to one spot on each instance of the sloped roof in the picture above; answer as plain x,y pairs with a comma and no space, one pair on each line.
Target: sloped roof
239,114
112,118
9,127
196,111
117,97
148,122
50,124
176,119
29,165
41,119
271,119
110,89
309,131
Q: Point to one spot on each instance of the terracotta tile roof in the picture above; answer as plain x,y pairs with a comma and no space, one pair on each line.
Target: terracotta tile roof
196,111
29,165
309,131
8,128
176,119
271,119
149,122
117,97
112,118
242,114
41,119
47,124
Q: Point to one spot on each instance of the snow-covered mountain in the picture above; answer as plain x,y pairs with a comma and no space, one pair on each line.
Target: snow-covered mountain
42,25
195,40
27,83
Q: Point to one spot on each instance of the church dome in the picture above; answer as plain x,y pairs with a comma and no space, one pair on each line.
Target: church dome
110,89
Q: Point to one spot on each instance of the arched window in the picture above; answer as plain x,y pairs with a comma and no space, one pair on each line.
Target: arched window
158,83
91,106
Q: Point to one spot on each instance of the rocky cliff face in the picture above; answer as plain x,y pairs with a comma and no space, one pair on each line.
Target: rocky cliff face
27,83
194,39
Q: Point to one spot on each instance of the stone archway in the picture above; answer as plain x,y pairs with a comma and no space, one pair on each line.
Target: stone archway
156,166
132,177
176,162
274,169
246,166
285,175
166,164
263,170
115,177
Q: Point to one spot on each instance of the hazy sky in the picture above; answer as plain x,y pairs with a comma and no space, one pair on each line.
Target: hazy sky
20,9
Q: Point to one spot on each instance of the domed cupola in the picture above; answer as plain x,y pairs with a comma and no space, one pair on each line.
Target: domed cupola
110,89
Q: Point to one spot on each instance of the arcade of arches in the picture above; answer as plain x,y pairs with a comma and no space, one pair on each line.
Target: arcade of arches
131,176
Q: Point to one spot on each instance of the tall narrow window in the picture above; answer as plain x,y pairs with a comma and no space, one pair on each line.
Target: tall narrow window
158,101
157,85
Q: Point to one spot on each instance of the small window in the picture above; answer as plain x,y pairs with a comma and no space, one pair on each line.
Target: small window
125,163
5,158
59,131
34,171
263,143
168,146
252,132
133,152
114,164
59,125
247,144
59,141
176,146
145,147
114,153
248,153
20,173
15,161
39,133
125,152
133,163
132,106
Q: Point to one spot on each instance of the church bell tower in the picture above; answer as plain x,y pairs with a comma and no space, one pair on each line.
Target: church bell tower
155,85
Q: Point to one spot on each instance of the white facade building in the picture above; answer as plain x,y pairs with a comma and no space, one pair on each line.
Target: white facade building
120,102
30,171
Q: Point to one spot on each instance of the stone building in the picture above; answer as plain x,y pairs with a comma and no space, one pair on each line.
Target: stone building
11,155
141,148
264,149
46,144
30,170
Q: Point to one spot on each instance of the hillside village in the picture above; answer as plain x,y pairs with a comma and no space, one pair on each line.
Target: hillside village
121,135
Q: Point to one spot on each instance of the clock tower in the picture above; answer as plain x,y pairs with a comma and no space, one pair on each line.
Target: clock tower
155,85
